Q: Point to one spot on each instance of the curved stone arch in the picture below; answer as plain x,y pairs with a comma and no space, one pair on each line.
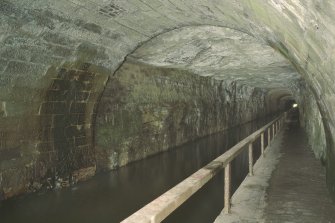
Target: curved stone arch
275,95
149,42
283,100
305,57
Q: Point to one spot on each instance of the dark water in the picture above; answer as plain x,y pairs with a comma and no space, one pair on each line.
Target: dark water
111,197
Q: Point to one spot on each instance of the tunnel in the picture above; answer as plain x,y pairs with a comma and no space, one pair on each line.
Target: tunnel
96,86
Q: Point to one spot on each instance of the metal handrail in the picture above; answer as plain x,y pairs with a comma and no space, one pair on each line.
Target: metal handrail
157,210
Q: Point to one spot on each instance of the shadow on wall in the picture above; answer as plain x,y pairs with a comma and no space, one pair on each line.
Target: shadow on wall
66,144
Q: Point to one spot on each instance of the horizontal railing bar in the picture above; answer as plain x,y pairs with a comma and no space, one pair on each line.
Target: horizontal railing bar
234,151
164,205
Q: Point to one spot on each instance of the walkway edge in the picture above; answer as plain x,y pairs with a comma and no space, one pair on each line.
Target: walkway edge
249,200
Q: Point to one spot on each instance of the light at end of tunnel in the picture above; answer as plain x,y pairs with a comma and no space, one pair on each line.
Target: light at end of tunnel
295,105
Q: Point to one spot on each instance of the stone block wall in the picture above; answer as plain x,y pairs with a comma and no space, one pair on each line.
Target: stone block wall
48,93
65,122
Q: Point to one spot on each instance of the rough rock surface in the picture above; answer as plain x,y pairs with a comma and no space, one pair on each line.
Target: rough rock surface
78,45
145,110
221,53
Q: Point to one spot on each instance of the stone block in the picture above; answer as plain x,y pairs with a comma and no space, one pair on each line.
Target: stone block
10,153
77,119
59,134
91,52
18,68
80,141
73,119
14,53
45,146
10,140
91,27
61,120
5,80
24,74
17,40
57,38
45,133
61,51
85,156
60,85
75,131
62,73
46,59
78,108
62,147
88,85
60,108
56,95
71,75
3,64
46,108
48,157
85,66
78,85
82,96
86,76
46,120
81,119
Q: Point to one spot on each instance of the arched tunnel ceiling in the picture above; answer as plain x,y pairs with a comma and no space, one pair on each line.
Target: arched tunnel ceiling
41,38
222,53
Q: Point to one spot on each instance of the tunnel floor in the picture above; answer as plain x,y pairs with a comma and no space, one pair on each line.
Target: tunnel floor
295,190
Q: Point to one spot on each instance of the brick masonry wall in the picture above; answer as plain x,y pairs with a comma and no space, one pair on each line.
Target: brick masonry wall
50,80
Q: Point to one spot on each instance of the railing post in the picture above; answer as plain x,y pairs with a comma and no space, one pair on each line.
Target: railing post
157,211
227,185
251,160
269,136
276,126
273,131
262,143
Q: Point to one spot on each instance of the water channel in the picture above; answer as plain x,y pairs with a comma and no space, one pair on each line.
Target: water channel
112,196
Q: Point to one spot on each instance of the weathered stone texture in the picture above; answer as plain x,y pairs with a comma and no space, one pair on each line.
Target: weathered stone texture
311,120
40,37
45,114
145,110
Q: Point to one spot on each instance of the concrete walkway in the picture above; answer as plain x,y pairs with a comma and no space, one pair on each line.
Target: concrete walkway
288,186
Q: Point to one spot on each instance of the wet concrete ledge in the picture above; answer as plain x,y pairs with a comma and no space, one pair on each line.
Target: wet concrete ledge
248,202
289,185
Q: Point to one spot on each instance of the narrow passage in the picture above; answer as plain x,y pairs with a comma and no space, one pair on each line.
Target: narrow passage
297,191
289,185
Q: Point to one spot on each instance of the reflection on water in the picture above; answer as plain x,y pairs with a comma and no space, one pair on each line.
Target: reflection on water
111,197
